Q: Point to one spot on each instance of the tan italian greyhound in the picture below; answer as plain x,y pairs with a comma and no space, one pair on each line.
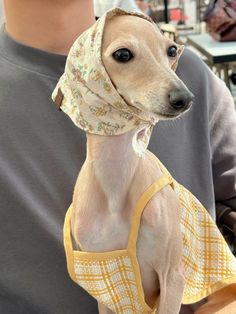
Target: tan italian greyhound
140,63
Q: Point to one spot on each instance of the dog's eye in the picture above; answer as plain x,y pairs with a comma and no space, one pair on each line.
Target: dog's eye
172,51
122,55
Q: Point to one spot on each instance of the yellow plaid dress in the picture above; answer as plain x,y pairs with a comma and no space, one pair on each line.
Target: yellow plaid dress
113,278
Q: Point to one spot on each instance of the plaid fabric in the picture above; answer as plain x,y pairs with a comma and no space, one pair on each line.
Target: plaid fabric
208,262
114,278
112,282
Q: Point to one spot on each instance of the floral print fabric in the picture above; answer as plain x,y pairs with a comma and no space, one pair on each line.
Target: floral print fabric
89,97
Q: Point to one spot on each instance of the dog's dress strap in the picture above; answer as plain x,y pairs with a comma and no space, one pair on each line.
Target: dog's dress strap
68,244
140,206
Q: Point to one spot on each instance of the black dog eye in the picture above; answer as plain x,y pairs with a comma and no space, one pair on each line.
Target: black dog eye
172,51
123,55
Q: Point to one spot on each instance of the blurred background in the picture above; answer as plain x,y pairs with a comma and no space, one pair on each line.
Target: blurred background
1,12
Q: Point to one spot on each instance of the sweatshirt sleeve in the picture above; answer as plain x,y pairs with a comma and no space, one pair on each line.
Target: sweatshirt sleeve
222,123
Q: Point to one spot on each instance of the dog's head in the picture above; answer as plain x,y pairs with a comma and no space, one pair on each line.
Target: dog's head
119,77
141,62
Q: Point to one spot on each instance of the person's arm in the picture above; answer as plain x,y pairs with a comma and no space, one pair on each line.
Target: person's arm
222,118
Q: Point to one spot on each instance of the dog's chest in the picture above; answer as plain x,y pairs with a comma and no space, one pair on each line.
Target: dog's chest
110,232
103,234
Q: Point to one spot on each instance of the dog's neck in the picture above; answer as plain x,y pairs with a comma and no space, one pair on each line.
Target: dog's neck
114,163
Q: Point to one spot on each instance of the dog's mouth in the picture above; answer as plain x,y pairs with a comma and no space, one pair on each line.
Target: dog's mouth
163,115
167,116
157,115
172,114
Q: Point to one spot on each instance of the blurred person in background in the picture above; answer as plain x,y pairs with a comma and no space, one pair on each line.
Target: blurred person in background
1,13
143,5
101,6
42,152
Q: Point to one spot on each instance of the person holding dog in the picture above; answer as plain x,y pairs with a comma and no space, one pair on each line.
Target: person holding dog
42,152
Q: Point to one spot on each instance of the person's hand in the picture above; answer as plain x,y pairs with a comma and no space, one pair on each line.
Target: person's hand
220,302
229,219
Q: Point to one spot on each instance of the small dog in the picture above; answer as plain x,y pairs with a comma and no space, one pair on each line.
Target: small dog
116,177
140,64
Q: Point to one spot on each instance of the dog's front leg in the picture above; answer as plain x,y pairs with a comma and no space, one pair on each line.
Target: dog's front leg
102,309
171,292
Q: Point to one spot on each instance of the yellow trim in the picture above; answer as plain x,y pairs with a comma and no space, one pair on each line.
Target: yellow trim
141,204
68,245
145,198
211,289
99,255
138,280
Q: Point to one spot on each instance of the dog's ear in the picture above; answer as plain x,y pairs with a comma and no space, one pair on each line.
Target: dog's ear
180,51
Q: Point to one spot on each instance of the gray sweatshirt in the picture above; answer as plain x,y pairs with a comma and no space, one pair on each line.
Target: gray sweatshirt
41,153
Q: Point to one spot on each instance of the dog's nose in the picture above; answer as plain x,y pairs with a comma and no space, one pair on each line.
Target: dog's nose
180,99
